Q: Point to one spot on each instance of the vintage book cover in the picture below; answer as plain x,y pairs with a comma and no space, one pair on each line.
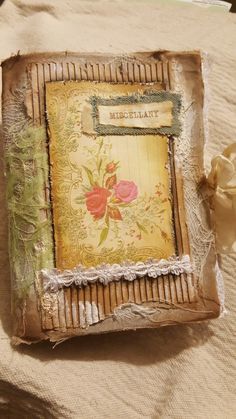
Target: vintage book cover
108,228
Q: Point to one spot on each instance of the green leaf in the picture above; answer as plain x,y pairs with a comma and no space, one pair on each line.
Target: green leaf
141,227
99,165
79,199
123,204
90,175
86,189
100,145
103,235
107,219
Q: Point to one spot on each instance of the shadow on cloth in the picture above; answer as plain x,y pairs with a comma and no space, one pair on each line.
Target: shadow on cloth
17,403
142,347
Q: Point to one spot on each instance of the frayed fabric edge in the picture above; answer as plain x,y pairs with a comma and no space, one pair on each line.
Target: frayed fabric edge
54,279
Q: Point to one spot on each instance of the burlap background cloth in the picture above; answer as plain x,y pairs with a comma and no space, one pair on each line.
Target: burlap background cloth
173,372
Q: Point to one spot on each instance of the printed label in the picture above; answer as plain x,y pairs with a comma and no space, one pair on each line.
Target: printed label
139,115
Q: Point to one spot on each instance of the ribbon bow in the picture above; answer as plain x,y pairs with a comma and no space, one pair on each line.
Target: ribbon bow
222,179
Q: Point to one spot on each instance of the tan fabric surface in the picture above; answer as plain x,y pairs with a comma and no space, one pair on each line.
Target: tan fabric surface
174,372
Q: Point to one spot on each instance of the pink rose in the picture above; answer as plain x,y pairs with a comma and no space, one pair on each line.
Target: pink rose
126,191
96,201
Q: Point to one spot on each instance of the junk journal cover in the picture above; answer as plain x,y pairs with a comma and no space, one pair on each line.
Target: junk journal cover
108,229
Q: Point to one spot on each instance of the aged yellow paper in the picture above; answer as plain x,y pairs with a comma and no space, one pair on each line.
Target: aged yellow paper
143,115
110,194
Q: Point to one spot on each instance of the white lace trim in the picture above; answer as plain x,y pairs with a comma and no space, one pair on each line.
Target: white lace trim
53,279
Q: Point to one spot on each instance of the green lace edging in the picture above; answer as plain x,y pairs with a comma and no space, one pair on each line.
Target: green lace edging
30,224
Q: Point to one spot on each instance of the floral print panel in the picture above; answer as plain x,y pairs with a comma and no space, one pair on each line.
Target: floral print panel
110,194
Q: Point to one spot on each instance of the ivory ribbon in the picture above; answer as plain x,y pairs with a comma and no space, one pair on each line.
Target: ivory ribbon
222,178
